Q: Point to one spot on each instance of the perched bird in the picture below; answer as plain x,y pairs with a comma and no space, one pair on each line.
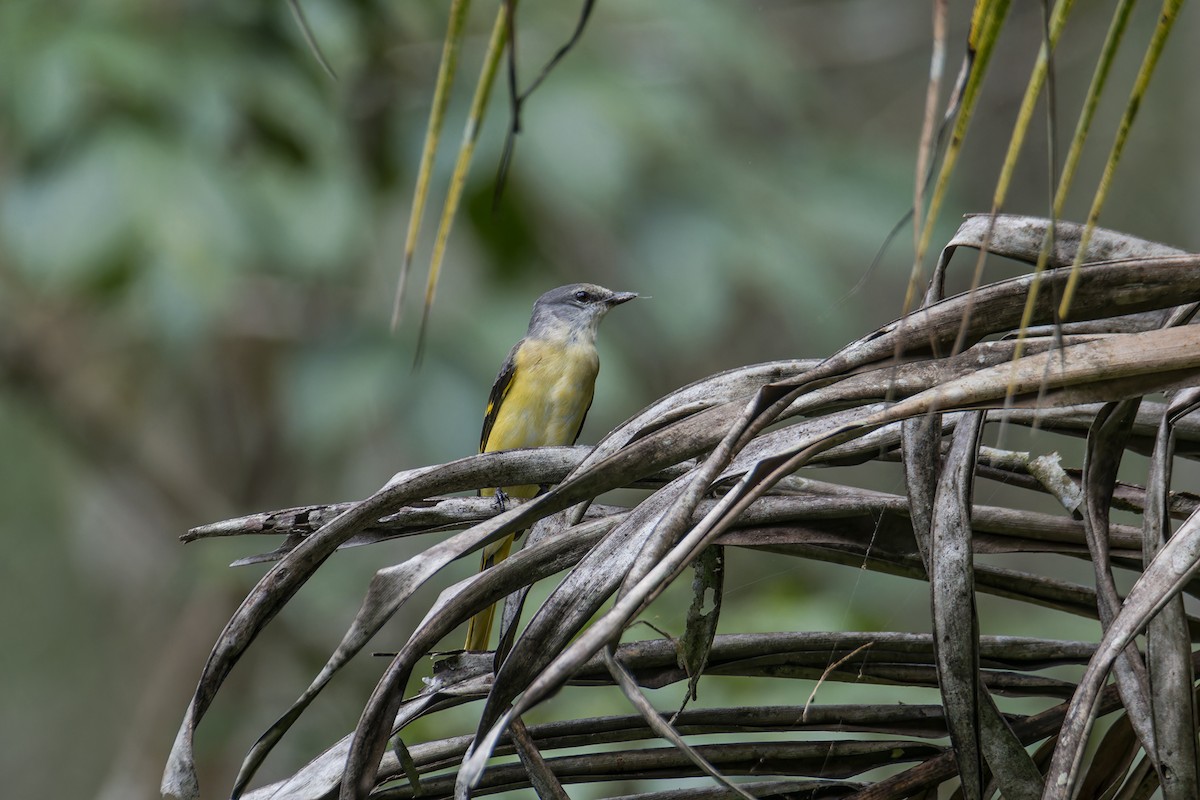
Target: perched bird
541,396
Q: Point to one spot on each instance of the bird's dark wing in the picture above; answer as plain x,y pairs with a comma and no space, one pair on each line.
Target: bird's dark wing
499,390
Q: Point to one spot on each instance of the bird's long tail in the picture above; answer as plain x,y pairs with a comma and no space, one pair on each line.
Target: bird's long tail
479,629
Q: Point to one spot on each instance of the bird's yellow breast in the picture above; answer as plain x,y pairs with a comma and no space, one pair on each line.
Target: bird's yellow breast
549,396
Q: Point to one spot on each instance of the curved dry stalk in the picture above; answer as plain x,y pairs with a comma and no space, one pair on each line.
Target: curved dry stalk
716,463
654,664
1171,678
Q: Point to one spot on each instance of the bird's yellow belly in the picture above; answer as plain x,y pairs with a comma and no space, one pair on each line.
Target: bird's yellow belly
547,401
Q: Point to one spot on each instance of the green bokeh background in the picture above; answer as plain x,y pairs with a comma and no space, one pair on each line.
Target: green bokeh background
199,241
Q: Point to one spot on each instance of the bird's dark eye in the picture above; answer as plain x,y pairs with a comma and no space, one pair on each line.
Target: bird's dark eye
582,296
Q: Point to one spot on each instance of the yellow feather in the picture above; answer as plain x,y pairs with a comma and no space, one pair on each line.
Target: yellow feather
550,393
544,405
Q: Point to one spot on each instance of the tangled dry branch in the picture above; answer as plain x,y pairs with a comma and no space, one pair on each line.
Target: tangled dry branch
720,464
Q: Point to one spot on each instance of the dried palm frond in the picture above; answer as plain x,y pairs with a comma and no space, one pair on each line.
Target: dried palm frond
722,463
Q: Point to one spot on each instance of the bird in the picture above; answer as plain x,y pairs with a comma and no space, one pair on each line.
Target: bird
541,397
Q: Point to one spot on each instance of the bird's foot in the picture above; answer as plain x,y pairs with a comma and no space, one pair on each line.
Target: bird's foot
500,498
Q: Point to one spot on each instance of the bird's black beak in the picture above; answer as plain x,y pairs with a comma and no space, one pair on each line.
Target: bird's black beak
621,297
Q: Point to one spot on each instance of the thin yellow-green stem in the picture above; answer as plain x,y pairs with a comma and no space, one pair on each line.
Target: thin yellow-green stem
1033,90
1037,80
1108,52
985,31
1166,21
1108,55
466,151
455,31
979,16
925,150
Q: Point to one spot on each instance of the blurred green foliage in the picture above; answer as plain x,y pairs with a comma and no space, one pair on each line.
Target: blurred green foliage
199,237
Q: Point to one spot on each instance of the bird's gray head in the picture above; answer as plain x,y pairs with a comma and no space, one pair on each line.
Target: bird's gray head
573,311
